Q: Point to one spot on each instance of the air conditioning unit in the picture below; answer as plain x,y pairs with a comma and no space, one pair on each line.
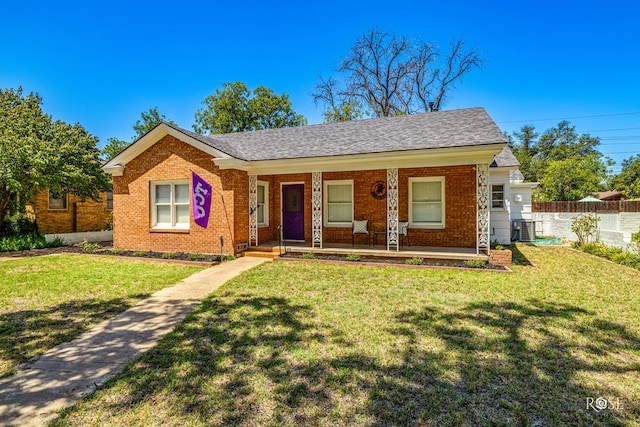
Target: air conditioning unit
523,230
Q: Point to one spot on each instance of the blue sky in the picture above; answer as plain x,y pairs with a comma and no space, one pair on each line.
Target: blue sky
102,63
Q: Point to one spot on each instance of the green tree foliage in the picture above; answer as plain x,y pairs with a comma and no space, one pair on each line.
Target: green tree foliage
628,180
148,120
37,152
567,165
387,75
234,108
113,148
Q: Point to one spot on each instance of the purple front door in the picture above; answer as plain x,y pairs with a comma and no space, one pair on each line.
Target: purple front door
293,211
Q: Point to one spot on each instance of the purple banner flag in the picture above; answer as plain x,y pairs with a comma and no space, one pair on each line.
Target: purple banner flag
200,200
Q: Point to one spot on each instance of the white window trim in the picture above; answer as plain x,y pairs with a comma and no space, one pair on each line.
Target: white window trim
266,203
325,196
439,179
504,195
154,212
66,197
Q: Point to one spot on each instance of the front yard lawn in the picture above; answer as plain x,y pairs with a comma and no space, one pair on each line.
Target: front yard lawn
45,301
317,344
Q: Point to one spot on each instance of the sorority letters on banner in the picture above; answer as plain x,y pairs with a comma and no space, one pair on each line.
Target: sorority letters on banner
200,200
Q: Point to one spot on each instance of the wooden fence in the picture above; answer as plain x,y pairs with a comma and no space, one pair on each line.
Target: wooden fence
610,206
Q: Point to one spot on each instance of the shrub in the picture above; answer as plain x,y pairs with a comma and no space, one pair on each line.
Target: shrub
415,261
474,263
117,251
353,257
614,254
308,256
139,253
168,255
196,256
585,227
497,246
17,225
89,247
228,258
56,242
24,242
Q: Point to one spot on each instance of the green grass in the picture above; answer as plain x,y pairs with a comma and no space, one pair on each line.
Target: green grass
45,301
319,344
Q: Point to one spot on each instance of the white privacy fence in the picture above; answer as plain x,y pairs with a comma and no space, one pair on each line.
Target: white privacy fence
614,228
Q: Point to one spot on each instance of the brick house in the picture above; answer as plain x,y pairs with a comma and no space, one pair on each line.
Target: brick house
68,213
309,184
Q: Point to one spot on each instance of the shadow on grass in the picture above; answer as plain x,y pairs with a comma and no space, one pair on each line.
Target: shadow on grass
518,258
264,360
28,333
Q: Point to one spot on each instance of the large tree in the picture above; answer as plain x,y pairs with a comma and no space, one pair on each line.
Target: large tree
386,75
148,120
628,180
37,152
235,108
568,165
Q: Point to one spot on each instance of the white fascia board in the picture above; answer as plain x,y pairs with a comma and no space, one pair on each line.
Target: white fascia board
398,159
117,170
524,184
116,165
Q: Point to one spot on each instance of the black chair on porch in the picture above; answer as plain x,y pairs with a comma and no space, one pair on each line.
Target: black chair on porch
362,228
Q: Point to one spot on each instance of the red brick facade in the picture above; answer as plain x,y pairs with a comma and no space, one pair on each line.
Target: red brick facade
172,159
80,215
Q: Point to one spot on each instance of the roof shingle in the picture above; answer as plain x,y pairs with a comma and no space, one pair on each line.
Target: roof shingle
443,129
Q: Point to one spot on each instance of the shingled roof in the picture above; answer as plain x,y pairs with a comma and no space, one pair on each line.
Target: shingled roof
505,159
443,129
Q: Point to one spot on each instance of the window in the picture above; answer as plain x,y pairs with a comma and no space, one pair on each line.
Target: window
497,196
109,201
426,202
338,203
170,204
58,202
263,204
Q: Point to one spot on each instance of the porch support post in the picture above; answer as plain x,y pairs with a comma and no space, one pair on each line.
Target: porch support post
253,210
316,208
392,209
482,207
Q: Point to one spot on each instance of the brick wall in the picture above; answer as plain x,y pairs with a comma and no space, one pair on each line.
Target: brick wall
81,214
460,206
172,159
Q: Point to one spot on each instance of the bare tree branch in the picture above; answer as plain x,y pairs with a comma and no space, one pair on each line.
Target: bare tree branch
391,75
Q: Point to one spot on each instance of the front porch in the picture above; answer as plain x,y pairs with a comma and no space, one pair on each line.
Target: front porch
367,251
445,209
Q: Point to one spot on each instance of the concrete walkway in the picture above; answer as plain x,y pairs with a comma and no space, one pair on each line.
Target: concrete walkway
73,370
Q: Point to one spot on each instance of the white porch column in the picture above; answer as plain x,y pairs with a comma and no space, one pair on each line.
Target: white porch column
253,210
316,208
392,209
482,208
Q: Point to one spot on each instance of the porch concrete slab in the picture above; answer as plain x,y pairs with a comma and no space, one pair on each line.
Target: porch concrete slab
67,373
446,253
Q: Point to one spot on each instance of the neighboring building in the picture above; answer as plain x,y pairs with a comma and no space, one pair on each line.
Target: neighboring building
67,213
431,170
606,196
